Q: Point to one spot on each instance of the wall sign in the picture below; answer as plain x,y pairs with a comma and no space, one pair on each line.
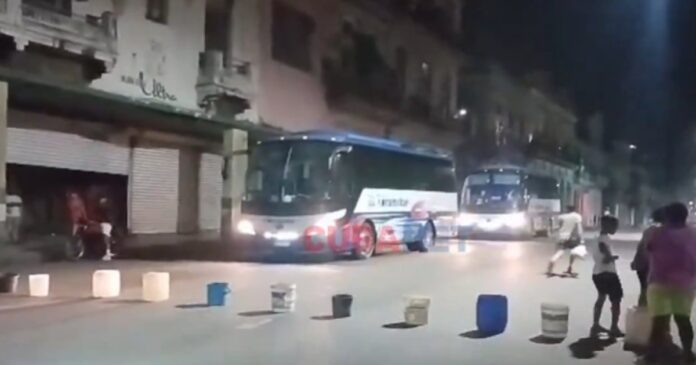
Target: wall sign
154,89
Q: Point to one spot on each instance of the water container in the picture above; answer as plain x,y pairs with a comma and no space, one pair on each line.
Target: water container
9,282
638,327
155,286
554,320
341,304
416,311
491,314
217,293
39,285
106,284
283,297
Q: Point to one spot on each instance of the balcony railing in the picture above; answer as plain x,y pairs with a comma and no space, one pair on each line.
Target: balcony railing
84,35
215,78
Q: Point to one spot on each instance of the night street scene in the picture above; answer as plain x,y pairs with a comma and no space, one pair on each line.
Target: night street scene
340,182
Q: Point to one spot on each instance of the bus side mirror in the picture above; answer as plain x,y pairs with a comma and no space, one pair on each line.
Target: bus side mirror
336,155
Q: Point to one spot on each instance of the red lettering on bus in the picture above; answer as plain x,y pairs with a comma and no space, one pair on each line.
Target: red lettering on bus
313,239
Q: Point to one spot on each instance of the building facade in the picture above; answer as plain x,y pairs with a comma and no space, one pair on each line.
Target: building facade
512,120
124,99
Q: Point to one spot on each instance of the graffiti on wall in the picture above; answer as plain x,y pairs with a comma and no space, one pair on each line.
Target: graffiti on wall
149,71
151,88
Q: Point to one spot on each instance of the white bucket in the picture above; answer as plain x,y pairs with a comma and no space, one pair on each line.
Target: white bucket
638,327
554,320
416,311
39,285
106,284
156,286
283,297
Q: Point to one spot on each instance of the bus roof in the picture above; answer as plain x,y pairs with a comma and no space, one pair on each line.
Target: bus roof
368,141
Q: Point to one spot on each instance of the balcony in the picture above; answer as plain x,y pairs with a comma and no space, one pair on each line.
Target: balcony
217,80
86,36
436,19
379,95
377,89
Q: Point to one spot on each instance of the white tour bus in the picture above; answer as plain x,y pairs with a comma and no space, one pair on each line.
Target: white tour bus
506,199
334,192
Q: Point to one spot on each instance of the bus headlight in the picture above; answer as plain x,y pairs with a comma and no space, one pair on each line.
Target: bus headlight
246,228
515,220
466,219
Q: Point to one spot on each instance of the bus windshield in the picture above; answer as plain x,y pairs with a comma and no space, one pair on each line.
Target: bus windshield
289,172
494,193
494,198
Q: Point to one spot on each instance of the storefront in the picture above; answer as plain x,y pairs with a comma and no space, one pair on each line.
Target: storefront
161,169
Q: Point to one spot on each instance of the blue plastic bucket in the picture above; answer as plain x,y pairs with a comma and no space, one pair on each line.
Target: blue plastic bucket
491,314
217,293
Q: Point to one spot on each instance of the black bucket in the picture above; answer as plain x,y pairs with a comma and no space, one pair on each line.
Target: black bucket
8,283
341,304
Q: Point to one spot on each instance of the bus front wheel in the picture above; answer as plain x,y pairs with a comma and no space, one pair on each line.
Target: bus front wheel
428,239
367,242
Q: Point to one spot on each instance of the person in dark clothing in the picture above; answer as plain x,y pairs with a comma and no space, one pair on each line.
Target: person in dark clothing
640,263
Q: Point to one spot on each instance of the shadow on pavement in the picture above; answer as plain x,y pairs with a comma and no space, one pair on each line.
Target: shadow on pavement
126,301
214,251
258,313
199,251
587,348
192,306
477,335
399,326
543,340
328,317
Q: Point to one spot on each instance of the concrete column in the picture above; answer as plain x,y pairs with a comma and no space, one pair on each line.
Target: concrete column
3,158
235,152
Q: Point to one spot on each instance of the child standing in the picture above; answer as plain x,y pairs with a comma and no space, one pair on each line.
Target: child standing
605,277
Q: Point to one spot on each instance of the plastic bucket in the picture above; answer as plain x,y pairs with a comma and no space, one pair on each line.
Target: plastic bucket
638,327
416,311
217,293
106,283
341,304
39,285
554,320
491,314
155,286
9,282
283,297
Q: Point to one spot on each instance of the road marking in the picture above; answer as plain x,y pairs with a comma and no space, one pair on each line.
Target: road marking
254,325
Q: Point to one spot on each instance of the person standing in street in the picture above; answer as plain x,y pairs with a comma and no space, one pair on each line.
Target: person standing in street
14,217
569,240
672,255
640,263
605,278
103,217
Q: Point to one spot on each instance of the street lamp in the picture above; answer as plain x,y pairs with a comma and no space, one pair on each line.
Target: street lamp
461,113
632,147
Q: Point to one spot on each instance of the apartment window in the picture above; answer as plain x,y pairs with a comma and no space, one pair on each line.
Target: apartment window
61,6
157,11
291,34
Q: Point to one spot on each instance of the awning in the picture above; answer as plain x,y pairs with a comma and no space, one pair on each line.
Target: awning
31,93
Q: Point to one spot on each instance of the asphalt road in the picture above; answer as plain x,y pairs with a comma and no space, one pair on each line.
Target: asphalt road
70,328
